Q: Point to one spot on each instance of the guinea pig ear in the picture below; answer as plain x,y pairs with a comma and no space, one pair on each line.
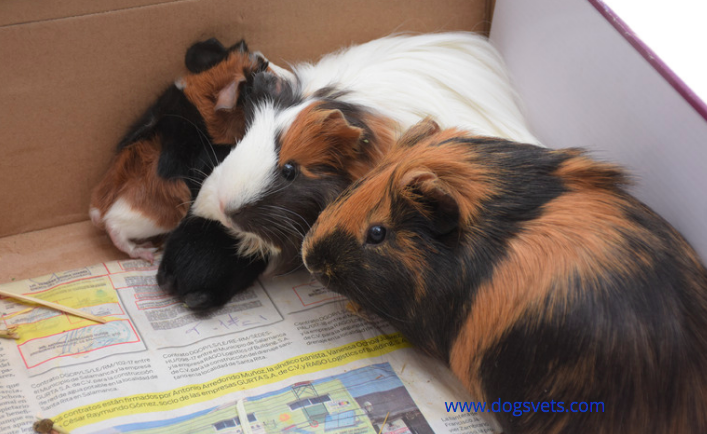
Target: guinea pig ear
204,55
421,130
341,133
435,198
227,97
240,46
262,62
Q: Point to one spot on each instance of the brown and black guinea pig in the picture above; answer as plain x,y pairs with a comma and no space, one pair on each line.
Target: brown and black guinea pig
533,274
162,160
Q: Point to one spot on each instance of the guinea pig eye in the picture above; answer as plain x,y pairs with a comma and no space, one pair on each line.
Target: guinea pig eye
376,235
289,171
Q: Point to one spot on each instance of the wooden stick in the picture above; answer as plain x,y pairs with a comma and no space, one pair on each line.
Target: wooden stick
384,421
9,334
54,306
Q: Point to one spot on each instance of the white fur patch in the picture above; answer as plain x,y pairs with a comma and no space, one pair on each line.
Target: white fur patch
252,245
124,224
181,83
248,172
457,78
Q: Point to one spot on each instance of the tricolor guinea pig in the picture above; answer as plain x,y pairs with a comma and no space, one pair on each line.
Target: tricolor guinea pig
340,118
162,160
201,264
533,274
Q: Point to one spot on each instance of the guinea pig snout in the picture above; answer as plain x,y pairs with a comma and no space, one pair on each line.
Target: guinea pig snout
323,260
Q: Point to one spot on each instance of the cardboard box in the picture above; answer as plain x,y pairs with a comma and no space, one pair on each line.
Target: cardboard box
75,74
586,82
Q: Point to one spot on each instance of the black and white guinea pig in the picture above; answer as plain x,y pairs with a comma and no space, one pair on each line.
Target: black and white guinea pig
533,274
201,264
345,111
161,161
329,145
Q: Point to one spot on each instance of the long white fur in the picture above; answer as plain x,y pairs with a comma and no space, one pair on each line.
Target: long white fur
457,78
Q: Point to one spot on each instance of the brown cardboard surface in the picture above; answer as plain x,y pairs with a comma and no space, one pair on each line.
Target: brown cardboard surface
70,87
14,12
52,250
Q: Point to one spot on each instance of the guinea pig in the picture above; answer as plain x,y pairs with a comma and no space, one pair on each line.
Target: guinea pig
533,274
201,264
162,160
342,115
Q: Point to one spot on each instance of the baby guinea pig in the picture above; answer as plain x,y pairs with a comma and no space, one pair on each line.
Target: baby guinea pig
533,274
161,161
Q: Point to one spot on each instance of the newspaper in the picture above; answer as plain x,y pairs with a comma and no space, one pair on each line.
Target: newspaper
285,356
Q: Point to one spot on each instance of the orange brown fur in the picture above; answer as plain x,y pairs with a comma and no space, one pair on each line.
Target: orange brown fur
202,89
134,169
323,137
535,259
556,284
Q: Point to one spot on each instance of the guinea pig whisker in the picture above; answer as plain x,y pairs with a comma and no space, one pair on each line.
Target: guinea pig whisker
275,191
284,232
197,181
274,229
205,139
287,273
201,172
298,216
375,305
291,226
299,230
285,218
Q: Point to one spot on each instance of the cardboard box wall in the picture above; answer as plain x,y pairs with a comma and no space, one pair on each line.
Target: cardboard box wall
75,74
585,84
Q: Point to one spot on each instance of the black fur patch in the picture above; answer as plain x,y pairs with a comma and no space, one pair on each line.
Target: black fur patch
287,211
204,55
183,136
264,87
527,185
201,266
187,152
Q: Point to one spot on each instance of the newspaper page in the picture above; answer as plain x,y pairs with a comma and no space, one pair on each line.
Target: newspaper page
285,356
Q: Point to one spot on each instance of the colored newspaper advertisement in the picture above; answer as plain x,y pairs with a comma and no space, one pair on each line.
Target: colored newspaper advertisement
285,356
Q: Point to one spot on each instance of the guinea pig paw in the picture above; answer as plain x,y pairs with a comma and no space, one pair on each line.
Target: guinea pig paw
145,253
96,218
198,301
